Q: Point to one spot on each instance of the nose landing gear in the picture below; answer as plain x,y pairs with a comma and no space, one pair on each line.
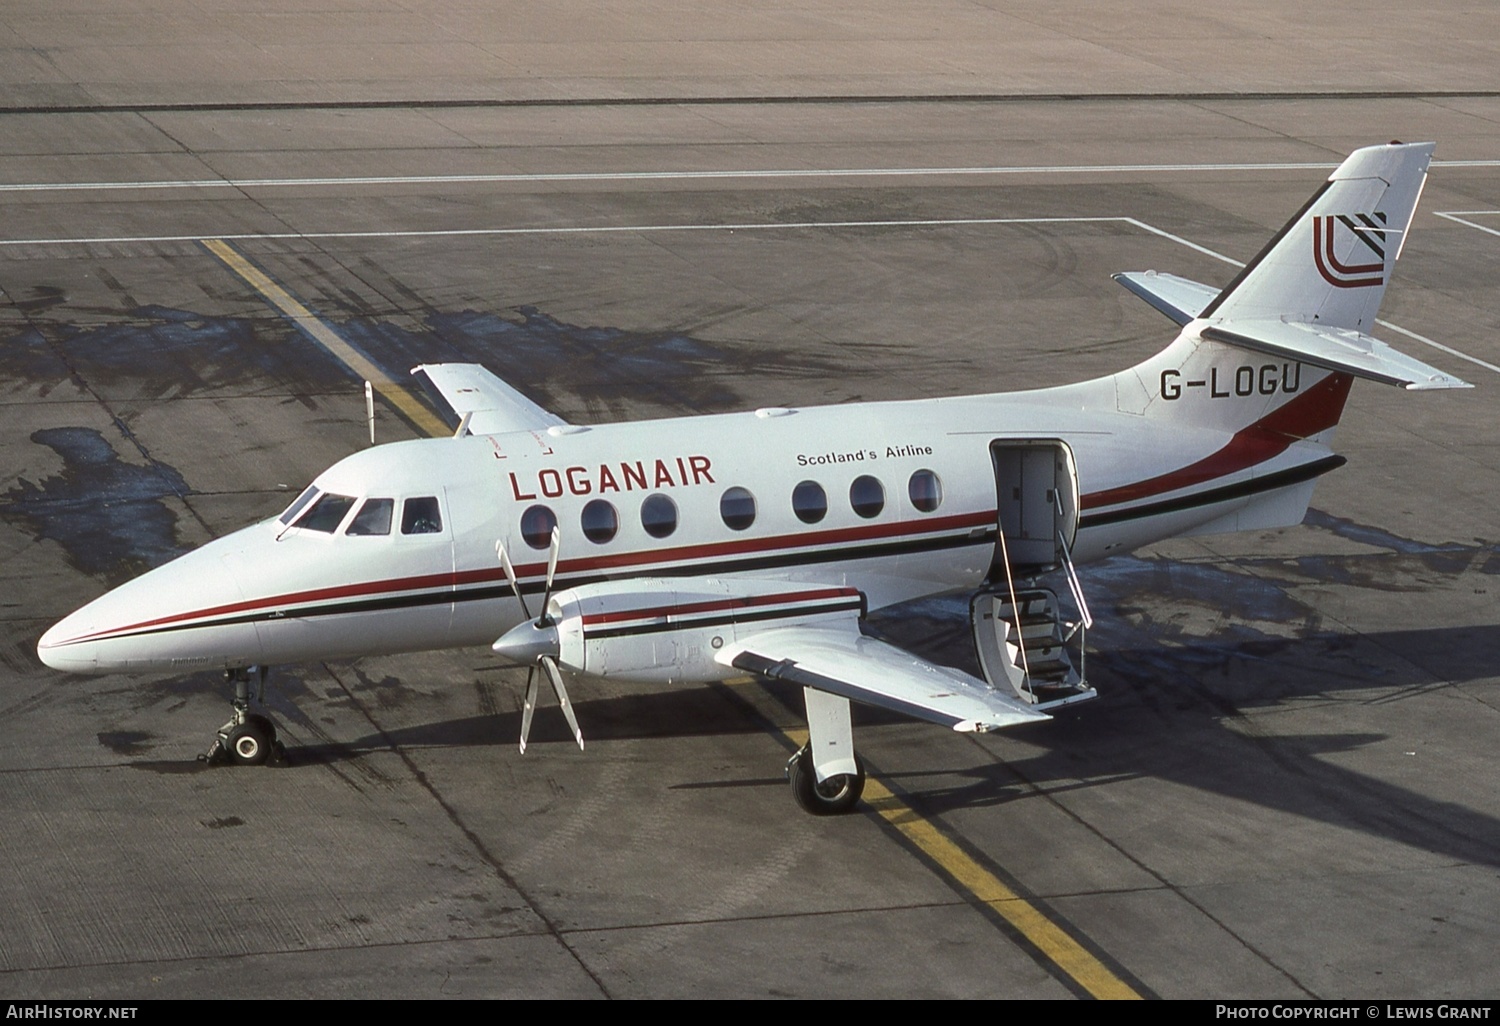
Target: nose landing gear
248,739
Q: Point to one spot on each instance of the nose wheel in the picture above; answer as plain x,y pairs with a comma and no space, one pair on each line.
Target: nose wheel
249,738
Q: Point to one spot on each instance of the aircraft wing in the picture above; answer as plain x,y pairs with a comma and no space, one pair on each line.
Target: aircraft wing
492,406
844,662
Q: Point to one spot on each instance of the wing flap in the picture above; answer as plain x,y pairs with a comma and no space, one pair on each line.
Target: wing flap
492,406
844,662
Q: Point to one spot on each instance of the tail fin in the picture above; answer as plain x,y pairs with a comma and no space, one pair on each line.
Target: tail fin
1267,363
1302,308
1330,264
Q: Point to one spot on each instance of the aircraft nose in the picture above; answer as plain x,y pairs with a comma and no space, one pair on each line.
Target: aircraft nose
178,617
53,651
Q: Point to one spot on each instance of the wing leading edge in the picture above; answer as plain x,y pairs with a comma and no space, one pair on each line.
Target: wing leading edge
846,663
491,406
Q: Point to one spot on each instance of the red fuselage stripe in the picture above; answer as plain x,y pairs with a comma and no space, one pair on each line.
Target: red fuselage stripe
635,560
1317,409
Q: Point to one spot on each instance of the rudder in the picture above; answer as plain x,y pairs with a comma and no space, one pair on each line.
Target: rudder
1331,263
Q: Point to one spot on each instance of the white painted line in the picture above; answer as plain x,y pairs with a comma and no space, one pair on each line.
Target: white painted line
582,230
1437,345
1143,226
1452,215
622,229
651,176
664,176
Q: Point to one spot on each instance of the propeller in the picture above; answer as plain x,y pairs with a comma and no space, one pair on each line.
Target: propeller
532,643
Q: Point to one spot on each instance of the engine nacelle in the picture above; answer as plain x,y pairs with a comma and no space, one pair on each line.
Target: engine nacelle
664,630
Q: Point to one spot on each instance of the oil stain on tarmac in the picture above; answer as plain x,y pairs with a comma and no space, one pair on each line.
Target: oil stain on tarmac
108,515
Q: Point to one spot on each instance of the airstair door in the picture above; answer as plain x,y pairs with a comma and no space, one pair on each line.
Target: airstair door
1020,633
1036,486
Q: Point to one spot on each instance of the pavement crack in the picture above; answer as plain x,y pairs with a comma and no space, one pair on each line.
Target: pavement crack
420,777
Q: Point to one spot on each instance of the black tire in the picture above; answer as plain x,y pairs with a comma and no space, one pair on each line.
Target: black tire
264,721
834,796
251,743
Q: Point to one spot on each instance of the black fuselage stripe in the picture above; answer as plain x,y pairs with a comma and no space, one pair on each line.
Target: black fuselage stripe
1213,496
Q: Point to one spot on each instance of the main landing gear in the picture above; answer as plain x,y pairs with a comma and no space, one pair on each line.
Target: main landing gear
826,775
248,739
831,797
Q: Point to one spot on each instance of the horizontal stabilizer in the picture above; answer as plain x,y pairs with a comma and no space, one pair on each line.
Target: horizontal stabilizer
1336,349
1181,299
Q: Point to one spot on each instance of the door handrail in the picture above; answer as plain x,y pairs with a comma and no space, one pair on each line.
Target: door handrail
1010,583
1074,585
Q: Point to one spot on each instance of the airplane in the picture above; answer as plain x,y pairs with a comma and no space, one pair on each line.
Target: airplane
756,543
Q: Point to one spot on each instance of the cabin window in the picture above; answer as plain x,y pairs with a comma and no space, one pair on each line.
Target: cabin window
809,502
737,507
327,513
298,504
867,496
600,521
926,491
421,516
536,527
374,517
659,515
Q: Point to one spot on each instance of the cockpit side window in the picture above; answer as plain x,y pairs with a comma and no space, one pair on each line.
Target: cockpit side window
299,504
326,514
373,518
421,516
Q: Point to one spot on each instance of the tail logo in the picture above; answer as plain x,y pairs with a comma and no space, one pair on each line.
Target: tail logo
1368,229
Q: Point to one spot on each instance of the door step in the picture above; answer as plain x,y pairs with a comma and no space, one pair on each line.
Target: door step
1027,644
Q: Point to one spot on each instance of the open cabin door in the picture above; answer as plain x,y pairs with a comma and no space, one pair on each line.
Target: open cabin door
1036,487
1021,634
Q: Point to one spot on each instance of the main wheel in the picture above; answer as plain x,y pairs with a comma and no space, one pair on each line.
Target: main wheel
832,797
251,743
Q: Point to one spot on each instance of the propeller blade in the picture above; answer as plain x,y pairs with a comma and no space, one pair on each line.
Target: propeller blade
510,575
532,686
541,615
550,665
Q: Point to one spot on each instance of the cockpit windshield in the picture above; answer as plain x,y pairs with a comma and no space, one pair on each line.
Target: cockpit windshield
317,510
373,518
327,513
299,504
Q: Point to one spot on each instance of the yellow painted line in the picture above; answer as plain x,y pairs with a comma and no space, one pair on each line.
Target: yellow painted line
1049,938
1028,920
390,390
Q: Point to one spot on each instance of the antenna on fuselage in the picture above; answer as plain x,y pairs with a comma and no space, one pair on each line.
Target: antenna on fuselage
370,409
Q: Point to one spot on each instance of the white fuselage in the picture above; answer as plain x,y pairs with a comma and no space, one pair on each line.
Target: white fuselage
274,593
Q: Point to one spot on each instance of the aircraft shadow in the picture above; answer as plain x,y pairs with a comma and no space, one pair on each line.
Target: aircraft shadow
1175,713
1171,712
